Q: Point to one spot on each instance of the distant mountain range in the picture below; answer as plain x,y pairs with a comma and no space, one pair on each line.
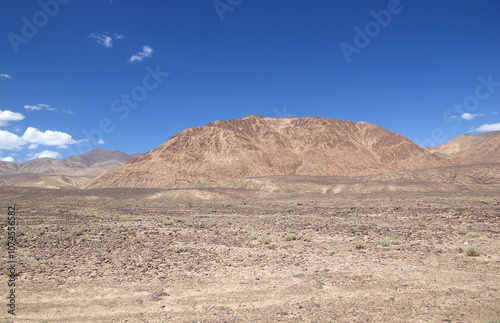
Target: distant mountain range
56,173
233,151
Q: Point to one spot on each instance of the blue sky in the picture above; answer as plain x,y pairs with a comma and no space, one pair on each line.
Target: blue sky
127,75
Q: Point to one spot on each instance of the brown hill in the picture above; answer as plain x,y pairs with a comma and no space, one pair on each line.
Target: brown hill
460,143
486,152
259,146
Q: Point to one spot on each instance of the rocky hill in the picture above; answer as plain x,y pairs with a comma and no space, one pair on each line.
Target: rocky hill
260,146
460,144
487,152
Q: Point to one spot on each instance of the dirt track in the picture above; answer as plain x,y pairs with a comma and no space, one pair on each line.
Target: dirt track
140,256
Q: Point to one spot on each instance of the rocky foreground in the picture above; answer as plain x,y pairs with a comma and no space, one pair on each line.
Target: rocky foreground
143,256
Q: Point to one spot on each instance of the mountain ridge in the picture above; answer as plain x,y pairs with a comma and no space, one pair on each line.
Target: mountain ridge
460,144
95,158
263,146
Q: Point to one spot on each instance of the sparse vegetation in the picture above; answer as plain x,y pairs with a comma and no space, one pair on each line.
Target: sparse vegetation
385,242
462,230
407,225
316,218
253,237
440,226
473,234
38,232
189,265
359,244
473,251
181,249
22,230
395,240
73,233
168,221
265,239
19,271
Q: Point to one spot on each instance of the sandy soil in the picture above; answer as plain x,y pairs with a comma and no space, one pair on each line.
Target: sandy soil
154,256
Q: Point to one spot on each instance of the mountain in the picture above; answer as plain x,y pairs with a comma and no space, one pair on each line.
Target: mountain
260,146
460,144
62,173
487,152
101,158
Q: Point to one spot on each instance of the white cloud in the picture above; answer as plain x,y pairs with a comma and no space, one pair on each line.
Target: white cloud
39,106
47,154
101,142
5,76
106,39
6,116
494,113
7,159
489,127
469,116
146,52
8,140
48,138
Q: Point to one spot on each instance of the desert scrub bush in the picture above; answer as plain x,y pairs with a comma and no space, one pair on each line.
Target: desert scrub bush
359,245
473,234
385,242
395,240
462,230
253,237
473,251
19,271
38,232
190,265
421,224
168,221
181,249
291,237
73,233
265,239
23,230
